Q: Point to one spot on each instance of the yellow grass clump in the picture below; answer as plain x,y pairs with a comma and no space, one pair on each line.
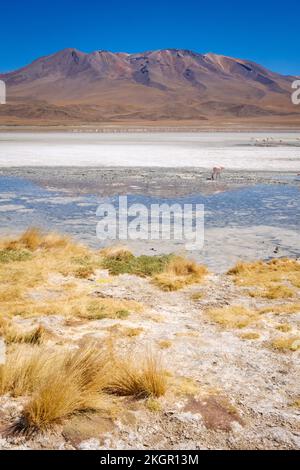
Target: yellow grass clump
178,273
272,276
63,382
25,281
284,343
13,334
274,292
33,239
296,403
165,344
98,309
281,309
153,405
119,330
251,335
28,368
169,272
33,336
73,384
117,252
284,327
234,316
185,386
197,296
143,380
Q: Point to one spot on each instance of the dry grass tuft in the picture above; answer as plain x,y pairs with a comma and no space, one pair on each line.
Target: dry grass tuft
132,332
271,276
60,383
116,252
143,266
122,331
26,288
33,239
185,386
34,336
197,296
153,405
29,367
282,309
251,335
63,382
178,273
284,327
280,265
165,344
296,403
235,316
140,381
84,272
7,256
98,309
284,343
14,334
168,272
274,292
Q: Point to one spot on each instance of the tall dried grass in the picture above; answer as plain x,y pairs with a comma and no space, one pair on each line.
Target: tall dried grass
63,382
178,273
14,334
116,252
234,316
25,286
140,380
60,383
271,276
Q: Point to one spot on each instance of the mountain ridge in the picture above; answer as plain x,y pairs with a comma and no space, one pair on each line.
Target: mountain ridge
165,84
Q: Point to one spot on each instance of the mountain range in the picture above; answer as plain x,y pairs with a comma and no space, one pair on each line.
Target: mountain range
162,86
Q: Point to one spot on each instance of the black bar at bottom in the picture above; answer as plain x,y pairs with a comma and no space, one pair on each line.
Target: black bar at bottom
134,459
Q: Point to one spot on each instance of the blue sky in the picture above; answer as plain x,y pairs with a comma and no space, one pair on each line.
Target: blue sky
264,31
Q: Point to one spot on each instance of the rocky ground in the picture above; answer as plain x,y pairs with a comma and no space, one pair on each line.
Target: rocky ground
225,390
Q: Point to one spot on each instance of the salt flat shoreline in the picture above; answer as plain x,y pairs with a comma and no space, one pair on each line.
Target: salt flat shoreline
154,181
235,151
145,126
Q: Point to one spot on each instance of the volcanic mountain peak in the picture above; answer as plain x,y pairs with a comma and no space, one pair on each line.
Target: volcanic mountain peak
155,84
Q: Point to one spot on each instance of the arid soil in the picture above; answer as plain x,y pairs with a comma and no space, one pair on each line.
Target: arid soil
225,390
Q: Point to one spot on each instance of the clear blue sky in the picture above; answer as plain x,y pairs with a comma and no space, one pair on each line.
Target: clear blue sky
265,31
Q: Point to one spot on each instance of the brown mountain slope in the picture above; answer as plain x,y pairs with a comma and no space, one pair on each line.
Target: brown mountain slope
173,84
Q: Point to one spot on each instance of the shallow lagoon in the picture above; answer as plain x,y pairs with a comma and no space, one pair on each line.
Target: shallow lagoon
247,223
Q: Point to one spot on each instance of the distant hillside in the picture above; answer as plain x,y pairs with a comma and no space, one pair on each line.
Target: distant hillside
156,86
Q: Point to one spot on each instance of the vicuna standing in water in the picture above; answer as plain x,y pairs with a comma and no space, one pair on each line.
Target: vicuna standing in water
216,173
